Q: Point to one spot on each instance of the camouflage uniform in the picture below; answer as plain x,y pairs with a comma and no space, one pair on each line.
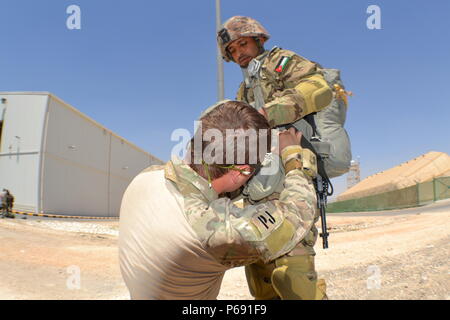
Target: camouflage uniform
177,243
283,103
291,87
236,236
3,204
296,91
7,201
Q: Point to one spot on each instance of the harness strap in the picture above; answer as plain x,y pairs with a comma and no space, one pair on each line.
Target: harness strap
252,79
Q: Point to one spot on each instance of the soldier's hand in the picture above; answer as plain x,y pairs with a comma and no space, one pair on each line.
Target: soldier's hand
287,138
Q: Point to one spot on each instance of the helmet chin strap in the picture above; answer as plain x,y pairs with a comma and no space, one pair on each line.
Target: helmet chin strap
260,45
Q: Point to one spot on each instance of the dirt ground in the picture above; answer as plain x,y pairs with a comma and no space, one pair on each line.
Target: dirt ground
380,255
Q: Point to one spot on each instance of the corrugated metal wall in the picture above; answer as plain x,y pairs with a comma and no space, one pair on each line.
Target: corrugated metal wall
84,159
75,166
20,147
126,163
85,167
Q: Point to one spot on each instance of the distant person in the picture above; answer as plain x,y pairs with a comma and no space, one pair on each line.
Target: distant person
180,232
7,204
3,205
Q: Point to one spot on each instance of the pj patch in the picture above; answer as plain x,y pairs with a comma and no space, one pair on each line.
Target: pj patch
265,221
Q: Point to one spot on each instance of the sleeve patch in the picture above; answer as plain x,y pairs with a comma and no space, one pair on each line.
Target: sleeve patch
282,64
265,222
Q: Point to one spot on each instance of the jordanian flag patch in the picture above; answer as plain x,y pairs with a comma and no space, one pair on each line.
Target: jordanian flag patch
281,64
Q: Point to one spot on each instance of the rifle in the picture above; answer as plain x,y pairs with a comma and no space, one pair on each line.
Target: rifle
321,185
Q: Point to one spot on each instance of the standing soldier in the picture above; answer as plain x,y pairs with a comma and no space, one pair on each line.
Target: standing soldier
7,204
285,88
3,202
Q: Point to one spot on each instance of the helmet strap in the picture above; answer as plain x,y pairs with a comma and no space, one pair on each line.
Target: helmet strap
260,45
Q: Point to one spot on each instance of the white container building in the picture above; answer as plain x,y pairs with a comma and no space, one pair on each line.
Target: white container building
56,160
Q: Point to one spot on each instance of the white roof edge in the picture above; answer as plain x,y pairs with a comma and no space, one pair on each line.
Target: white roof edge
42,93
67,105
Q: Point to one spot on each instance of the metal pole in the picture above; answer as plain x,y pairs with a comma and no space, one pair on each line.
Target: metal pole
220,81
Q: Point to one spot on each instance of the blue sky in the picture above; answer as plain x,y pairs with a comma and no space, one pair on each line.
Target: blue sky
144,68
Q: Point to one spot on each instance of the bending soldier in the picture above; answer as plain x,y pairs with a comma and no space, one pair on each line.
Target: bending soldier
179,232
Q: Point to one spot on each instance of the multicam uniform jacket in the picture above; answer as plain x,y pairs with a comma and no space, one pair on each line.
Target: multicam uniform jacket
236,236
292,86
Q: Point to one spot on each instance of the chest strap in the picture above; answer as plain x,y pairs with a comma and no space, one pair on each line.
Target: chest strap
252,79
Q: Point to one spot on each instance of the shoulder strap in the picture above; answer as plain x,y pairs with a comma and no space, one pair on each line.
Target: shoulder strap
252,80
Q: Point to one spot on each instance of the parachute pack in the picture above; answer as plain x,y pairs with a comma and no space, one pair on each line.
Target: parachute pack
325,129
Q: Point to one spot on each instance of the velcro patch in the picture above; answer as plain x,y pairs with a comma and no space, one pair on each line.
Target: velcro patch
282,64
265,222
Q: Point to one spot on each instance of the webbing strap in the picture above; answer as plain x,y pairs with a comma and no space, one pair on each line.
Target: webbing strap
252,80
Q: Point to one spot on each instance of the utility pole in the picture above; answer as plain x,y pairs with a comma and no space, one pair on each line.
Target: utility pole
220,81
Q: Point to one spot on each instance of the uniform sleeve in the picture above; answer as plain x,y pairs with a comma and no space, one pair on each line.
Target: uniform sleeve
305,91
240,96
238,236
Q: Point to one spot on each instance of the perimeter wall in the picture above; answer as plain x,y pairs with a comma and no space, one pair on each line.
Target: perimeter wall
413,196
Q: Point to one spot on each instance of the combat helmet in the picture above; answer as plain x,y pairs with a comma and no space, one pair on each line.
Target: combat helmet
235,28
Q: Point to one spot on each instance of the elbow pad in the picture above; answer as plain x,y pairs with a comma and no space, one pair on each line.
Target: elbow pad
316,93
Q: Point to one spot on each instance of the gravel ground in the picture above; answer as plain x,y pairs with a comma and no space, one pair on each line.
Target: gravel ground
386,255
81,227
421,274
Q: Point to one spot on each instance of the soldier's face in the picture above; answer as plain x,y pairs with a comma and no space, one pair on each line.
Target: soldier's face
235,179
243,50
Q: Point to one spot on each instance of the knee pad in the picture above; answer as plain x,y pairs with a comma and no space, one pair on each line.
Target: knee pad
295,278
259,281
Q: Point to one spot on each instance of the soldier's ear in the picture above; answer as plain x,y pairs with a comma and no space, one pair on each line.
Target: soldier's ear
234,175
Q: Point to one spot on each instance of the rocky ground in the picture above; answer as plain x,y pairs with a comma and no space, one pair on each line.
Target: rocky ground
381,255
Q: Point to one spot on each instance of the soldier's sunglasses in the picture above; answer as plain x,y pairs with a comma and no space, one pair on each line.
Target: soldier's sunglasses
245,172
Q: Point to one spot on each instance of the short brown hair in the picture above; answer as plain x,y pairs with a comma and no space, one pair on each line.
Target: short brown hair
233,115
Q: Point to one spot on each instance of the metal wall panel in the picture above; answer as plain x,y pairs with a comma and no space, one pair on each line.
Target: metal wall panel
73,189
24,118
19,174
20,146
2,109
126,162
83,168
76,158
